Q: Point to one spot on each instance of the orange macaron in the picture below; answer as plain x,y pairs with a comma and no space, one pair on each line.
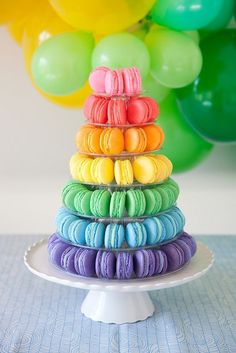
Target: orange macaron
135,140
112,141
155,137
88,139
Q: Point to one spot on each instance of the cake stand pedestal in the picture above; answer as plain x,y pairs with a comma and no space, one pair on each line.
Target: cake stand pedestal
113,301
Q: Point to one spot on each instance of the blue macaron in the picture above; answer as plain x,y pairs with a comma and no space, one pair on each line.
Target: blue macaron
114,236
135,234
155,230
94,234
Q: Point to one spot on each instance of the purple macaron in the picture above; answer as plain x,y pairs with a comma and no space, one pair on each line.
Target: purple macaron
55,252
190,241
105,264
144,263
124,265
186,249
67,259
84,262
175,256
160,261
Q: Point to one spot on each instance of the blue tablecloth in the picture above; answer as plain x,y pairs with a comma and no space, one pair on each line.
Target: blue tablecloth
39,316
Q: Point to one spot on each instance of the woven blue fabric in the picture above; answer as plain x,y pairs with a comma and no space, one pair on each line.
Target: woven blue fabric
43,317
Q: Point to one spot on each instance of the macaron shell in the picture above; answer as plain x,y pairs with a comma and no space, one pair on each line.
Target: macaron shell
84,262
117,204
145,170
135,140
94,234
155,137
123,172
112,141
114,85
135,202
116,111
100,203
135,234
97,79
124,265
153,201
82,202
141,263
132,81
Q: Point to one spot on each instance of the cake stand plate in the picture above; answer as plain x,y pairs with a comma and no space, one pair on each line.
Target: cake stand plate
115,301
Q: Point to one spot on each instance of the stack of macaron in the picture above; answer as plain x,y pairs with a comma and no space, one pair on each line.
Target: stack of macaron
119,218
128,232
114,140
122,265
144,169
132,202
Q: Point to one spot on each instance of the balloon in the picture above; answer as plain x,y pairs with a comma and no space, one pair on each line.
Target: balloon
209,103
194,35
73,100
182,145
101,16
185,14
122,50
61,65
152,88
223,17
175,59
12,10
40,26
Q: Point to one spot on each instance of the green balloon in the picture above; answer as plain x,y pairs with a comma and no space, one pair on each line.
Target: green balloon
61,65
185,14
209,104
175,59
121,50
223,17
194,35
182,145
152,88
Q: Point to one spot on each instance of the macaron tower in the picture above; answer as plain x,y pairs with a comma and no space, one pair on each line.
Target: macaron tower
119,218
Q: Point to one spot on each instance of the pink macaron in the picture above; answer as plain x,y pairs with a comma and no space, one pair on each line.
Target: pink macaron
97,79
132,81
95,109
114,84
141,110
116,111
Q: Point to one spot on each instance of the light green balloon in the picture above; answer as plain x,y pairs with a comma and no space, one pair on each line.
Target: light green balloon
61,65
152,88
194,35
175,59
121,50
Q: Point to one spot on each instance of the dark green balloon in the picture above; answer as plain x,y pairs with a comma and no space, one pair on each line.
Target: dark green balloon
182,145
209,103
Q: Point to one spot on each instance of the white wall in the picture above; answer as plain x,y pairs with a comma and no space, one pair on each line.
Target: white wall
37,140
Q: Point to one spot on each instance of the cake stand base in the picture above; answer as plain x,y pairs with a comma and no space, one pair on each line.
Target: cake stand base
117,307
113,301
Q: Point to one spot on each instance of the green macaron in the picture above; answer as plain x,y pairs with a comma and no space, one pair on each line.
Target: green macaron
82,202
100,203
135,202
69,192
153,201
117,204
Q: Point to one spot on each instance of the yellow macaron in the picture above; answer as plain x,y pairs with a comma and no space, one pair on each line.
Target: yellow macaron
123,172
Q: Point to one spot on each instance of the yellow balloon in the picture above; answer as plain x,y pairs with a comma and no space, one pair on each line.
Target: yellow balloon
12,10
41,25
102,16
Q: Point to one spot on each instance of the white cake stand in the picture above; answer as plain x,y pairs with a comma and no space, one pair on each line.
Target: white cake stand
113,301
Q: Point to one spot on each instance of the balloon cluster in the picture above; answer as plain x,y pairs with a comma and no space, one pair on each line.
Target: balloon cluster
182,48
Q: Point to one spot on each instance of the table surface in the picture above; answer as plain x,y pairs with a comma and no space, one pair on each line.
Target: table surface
43,317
